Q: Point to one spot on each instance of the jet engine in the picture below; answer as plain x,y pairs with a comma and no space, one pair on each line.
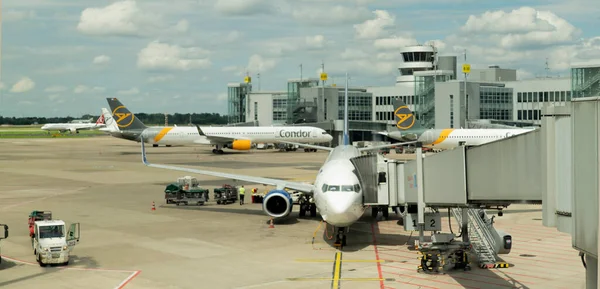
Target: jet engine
240,145
278,203
73,130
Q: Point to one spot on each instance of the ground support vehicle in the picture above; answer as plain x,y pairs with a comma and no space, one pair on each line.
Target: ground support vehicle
307,204
3,236
51,245
186,191
226,194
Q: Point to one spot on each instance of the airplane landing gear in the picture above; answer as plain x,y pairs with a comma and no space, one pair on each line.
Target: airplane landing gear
217,150
340,238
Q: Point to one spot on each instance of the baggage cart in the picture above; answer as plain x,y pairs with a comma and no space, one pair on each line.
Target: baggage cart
226,195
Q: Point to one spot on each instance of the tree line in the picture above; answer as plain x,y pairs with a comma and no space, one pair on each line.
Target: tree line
146,118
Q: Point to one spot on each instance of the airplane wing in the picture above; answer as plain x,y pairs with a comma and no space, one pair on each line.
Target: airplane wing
220,138
280,184
385,146
307,145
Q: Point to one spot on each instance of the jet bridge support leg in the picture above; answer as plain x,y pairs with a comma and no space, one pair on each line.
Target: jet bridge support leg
465,225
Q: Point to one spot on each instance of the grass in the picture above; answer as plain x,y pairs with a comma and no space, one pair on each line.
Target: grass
27,131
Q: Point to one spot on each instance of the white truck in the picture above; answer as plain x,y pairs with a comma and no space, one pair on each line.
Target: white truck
50,243
3,236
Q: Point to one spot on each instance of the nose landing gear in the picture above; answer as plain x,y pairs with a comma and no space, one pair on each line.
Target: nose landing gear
340,238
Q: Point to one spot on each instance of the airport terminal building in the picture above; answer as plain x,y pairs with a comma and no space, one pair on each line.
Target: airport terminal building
431,87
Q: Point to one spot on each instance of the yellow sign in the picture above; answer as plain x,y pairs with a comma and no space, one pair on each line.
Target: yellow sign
323,76
123,119
406,119
247,79
466,68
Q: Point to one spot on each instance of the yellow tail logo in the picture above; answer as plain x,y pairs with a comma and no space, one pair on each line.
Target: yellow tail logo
123,119
405,117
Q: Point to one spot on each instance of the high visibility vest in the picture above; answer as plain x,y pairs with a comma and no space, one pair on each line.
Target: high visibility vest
242,191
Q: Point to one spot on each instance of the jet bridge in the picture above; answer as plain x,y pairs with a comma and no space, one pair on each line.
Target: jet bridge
464,180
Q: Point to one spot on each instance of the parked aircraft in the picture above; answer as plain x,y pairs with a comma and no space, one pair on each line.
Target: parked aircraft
409,129
337,191
74,127
232,137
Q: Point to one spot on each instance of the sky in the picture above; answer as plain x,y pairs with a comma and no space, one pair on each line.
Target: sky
65,57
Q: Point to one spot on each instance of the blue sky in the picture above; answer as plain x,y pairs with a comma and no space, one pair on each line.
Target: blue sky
64,57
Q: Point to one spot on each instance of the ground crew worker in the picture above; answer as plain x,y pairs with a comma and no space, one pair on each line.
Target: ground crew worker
242,191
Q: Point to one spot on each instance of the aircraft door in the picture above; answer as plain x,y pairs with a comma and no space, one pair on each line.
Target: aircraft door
73,235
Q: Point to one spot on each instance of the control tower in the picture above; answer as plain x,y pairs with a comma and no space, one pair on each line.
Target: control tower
415,58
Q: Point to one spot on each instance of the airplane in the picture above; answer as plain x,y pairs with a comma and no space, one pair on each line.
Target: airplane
74,127
443,139
236,138
337,190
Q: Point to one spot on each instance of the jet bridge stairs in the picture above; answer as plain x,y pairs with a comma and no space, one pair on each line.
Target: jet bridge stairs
467,181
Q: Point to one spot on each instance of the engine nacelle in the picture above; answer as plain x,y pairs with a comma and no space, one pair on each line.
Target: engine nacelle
240,145
278,203
73,130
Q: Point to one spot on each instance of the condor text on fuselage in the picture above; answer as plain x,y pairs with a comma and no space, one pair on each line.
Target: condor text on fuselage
294,134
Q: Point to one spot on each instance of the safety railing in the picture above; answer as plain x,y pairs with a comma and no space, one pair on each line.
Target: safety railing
480,234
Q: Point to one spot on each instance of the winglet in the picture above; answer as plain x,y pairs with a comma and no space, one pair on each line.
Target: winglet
200,132
144,160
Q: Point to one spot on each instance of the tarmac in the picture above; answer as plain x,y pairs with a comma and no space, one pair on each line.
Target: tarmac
101,183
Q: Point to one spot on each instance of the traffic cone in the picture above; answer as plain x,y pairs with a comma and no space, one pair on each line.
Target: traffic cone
153,207
271,226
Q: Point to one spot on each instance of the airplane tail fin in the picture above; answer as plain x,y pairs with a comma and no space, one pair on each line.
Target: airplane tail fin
346,136
124,118
100,120
109,122
404,117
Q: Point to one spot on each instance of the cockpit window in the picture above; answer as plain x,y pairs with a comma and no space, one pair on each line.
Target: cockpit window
340,188
333,188
347,188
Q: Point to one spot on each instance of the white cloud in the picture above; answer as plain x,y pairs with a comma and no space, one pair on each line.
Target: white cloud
182,26
244,7
163,56
118,18
160,78
85,89
377,27
523,27
287,46
17,15
394,43
131,91
101,59
259,63
317,15
23,85
56,88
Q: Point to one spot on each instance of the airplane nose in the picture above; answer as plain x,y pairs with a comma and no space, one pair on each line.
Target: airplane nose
328,137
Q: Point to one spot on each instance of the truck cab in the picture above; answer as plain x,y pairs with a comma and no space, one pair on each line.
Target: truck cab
3,235
52,244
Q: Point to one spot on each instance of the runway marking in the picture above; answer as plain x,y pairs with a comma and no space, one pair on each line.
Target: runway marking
381,284
337,270
344,261
339,279
134,273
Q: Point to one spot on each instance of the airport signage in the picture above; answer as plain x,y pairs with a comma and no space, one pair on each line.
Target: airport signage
294,134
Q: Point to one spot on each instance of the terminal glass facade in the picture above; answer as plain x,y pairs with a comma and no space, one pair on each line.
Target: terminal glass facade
495,103
236,102
293,95
425,98
360,105
585,82
279,108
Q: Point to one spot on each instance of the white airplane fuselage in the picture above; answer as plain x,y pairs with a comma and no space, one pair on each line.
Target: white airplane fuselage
70,126
338,193
186,135
451,138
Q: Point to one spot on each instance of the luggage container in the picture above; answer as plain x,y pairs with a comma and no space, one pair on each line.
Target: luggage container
226,194
186,191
